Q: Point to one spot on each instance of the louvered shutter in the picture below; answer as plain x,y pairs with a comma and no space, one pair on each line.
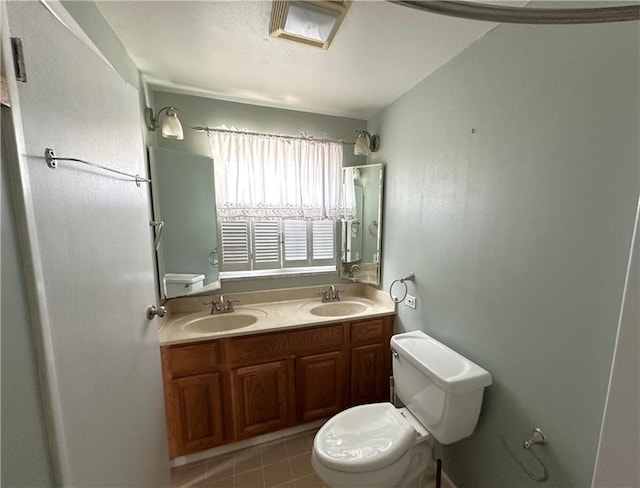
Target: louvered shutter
322,242
235,245
266,244
295,243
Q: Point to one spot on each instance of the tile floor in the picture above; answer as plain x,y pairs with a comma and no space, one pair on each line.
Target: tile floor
284,463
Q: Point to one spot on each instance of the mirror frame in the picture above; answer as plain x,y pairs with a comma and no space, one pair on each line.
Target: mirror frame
346,271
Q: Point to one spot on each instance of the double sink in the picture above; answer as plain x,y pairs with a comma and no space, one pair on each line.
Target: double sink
259,317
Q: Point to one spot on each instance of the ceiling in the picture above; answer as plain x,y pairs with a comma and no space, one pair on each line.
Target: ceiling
222,49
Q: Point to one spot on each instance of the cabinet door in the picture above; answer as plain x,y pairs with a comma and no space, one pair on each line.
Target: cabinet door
194,413
261,400
319,385
369,374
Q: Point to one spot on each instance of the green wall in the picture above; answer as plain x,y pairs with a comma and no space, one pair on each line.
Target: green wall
200,111
512,180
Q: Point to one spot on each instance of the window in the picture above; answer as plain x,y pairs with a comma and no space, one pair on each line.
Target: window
278,200
289,246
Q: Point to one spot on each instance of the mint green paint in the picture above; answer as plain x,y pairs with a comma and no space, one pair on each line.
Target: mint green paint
512,177
187,206
199,111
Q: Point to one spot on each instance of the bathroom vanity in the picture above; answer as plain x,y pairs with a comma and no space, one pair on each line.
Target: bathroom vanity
288,368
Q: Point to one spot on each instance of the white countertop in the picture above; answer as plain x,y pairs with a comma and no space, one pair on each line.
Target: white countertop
270,310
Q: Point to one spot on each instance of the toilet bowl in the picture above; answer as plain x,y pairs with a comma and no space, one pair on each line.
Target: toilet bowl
381,446
369,445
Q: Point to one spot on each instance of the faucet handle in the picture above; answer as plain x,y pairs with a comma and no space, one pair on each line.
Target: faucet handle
325,295
228,305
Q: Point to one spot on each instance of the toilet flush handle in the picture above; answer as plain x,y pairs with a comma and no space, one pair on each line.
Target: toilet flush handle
395,354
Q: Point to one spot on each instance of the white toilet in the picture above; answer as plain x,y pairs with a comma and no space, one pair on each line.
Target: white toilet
180,284
381,446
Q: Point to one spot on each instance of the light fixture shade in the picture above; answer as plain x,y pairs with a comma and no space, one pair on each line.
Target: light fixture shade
361,147
310,22
171,126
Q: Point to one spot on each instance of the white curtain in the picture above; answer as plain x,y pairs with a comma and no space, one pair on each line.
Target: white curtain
349,194
262,177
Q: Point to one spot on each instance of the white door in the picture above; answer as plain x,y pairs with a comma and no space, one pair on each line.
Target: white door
93,270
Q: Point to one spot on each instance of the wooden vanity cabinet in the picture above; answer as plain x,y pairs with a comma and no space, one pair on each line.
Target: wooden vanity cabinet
370,360
320,385
234,388
280,380
194,397
262,398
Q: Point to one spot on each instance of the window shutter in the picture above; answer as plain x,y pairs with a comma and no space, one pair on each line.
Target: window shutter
266,242
323,239
259,245
235,245
295,241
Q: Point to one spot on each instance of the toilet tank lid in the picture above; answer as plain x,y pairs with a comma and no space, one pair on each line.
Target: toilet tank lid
450,370
183,278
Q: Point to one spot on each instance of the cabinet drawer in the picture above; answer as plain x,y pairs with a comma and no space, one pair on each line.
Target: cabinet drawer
368,332
193,359
270,347
316,339
256,349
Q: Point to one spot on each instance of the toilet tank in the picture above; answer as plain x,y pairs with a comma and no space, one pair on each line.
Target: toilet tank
179,284
441,388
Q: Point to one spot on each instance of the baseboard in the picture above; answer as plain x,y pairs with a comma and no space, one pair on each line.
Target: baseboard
236,446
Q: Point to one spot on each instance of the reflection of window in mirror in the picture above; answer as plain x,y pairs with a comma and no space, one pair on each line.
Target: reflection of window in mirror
278,201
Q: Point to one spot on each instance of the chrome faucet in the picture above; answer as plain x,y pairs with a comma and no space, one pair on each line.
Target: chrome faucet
220,306
353,268
331,294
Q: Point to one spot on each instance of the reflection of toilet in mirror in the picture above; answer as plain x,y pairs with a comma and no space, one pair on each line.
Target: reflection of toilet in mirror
381,446
179,284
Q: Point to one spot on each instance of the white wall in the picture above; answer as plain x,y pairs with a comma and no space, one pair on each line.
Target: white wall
25,452
93,276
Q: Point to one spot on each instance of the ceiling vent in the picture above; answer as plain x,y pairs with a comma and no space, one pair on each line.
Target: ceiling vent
314,23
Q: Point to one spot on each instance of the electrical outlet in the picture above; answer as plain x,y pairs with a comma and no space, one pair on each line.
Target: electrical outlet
410,301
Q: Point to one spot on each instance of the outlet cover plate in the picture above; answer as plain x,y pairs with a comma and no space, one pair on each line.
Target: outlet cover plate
410,301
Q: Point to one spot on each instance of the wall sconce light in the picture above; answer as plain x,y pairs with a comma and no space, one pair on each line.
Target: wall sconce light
171,128
314,23
366,143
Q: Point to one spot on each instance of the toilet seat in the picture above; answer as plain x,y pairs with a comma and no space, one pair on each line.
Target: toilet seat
364,438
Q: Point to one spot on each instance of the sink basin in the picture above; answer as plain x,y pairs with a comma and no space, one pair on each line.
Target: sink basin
209,324
343,308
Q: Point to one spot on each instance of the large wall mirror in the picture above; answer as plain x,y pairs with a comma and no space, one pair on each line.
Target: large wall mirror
362,230
184,212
